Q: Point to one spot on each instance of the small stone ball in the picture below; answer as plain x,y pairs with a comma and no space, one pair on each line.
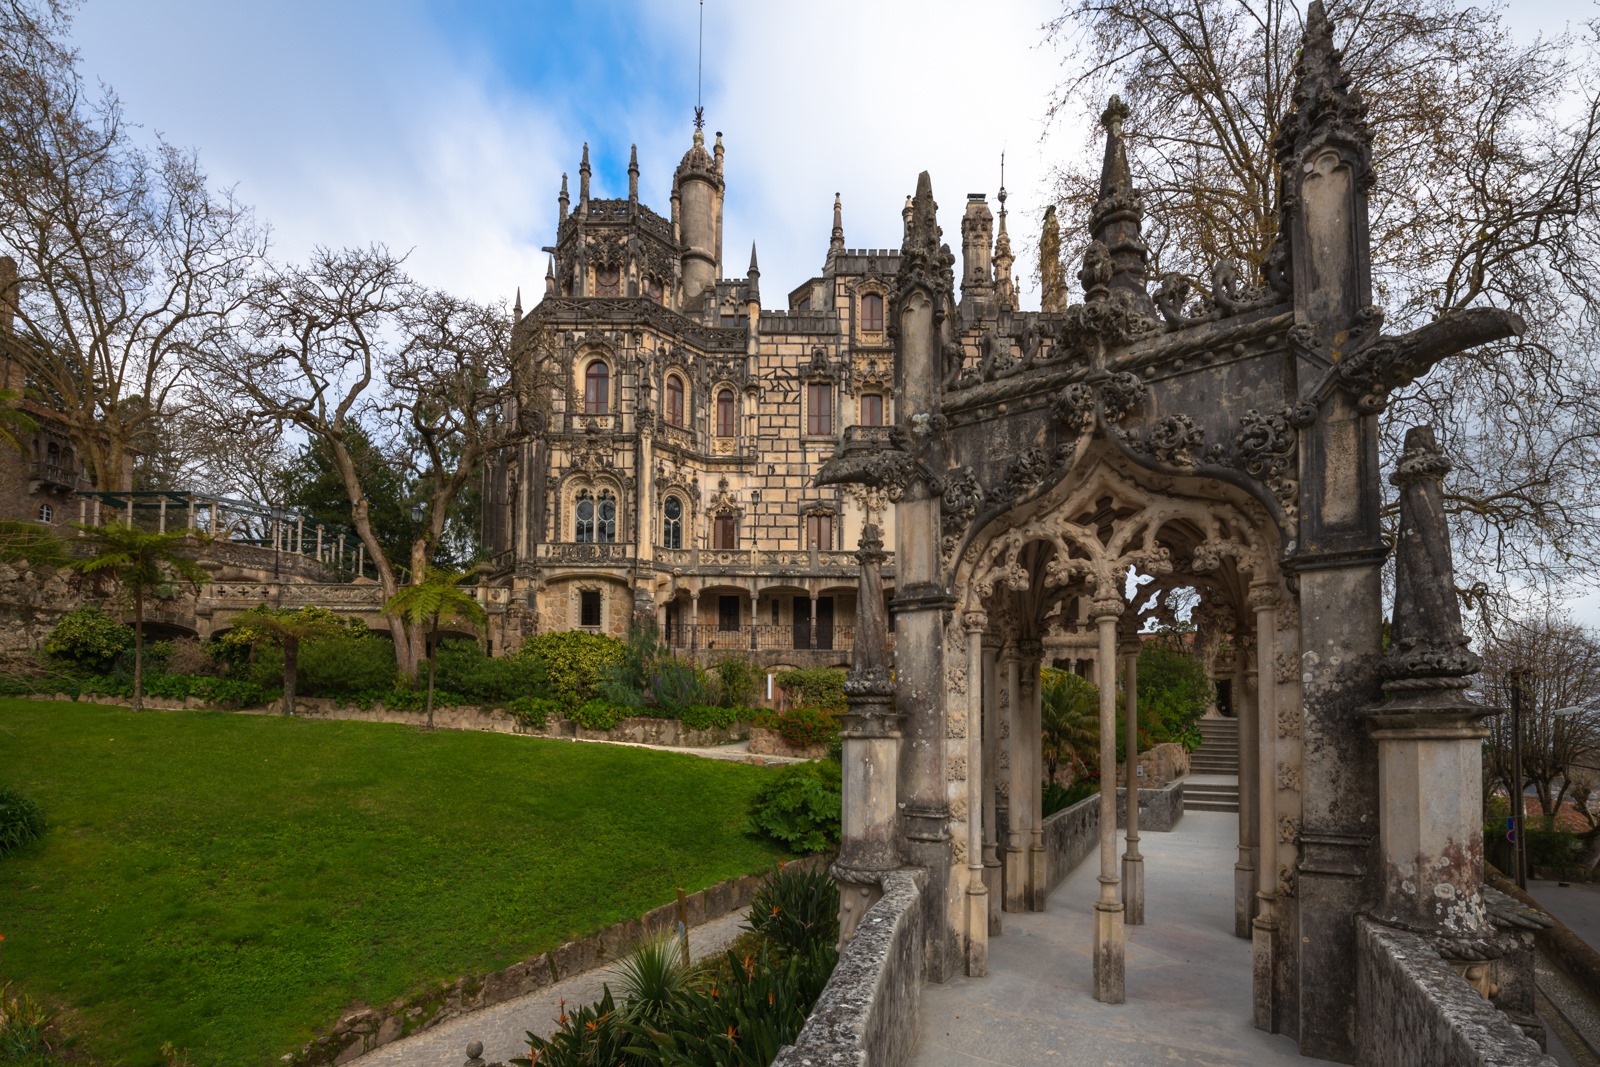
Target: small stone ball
474,1049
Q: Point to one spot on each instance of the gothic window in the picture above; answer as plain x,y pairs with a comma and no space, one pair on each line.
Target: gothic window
675,400
589,608
53,454
652,287
672,523
819,409
608,281
871,409
872,313
583,517
46,513
597,388
725,531
819,531
727,420
606,524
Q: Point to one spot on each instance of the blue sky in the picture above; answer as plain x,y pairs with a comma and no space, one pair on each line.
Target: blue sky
443,127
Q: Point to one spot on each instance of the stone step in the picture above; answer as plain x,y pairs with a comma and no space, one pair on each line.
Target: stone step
1210,805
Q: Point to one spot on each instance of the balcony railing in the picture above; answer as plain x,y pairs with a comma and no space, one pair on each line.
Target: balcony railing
590,552
759,637
56,475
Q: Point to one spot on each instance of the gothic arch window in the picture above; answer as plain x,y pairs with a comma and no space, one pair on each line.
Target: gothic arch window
819,409
46,513
870,409
608,281
725,530
606,517
727,414
675,400
597,388
653,288
872,313
672,523
53,454
583,516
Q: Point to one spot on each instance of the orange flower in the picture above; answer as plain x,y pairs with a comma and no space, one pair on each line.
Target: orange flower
733,1035
775,909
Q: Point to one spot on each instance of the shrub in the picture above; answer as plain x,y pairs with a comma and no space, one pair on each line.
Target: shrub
21,821
189,656
339,666
598,715
675,685
797,909
88,638
1057,797
24,1024
707,716
534,712
801,726
574,661
799,808
818,686
1552,848
738,682
463,667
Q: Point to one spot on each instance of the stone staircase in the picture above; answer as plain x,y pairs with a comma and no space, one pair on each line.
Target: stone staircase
1213,783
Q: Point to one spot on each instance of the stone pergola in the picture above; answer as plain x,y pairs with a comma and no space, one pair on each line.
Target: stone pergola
1225,441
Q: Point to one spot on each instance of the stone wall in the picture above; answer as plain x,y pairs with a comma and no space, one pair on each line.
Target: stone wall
868,1011
31,600
1070,835
1159,809
1417,1012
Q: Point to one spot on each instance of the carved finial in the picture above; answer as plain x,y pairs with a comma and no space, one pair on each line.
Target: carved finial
753,286
1326,109
550,277
836,239
699,124
717,151
633,174
516,307
1118,216
563,200
871,651
1005,286
1428,649
1051,279
924,262
583,181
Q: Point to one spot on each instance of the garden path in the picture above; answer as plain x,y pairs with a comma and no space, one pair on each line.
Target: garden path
502,1028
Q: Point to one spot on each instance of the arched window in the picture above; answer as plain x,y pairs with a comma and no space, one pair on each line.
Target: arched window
597,388
653,288
675,400
872,312
53,454
607,281
606,525
583,522
672,523
819,409
819,531
726,417
871,409
725,531
46,513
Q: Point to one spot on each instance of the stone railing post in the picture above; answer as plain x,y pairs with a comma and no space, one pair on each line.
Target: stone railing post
1109,965
975,622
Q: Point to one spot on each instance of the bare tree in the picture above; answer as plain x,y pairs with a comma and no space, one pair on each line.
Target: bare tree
1488,191
1560,661
126,256
349,342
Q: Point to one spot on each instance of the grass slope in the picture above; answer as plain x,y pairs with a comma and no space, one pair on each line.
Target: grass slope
229,883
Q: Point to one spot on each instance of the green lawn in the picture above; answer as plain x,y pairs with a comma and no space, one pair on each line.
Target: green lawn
231,882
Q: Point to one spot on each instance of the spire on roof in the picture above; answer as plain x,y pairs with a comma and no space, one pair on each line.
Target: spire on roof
836,239
633,174
1005,286
1053,286
583,182
754,286
563,200
1117,220
550,277
516,307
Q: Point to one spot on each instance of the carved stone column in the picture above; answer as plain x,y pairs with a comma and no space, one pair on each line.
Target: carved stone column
977,893
1132,862
1018,810
1264,929
1032,700
870,731
991,788
1109,969
1245,686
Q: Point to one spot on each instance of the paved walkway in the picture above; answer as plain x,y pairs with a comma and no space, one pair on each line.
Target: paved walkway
502,1028
1188,976
1576,905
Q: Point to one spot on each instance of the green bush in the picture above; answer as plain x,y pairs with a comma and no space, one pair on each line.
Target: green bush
819,686
339,666
1552,848
533,712
674,685
707,716
21,821
1056,797
574,661
1174,693
797,909
598,715
800,808
738,682
463,667
88,638
801,726
219,692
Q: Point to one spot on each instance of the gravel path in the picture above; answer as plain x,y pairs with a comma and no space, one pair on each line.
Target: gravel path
501,1028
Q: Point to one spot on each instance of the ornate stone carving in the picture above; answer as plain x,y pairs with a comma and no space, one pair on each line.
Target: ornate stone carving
1120,395
1285,666
1267,446
1174,440
1289,778
1289,718
1288,829
959,503
1074,407
925,263
1088,329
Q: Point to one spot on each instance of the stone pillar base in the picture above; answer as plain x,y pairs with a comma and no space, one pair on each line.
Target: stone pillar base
855,897
1133,890
1264,933
977,931
1110,986
1038,887
1015,881
1244,899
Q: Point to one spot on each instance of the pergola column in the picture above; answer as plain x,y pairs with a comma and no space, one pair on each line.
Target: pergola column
191,511
1109,966
977,893
1132,862
1018,810
299,535
1245,684
991,788
1264,928
161,515
694,619
1033,703
811,634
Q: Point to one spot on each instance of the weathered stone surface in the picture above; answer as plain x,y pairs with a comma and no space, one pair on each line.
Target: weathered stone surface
1417,1012
1159,809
